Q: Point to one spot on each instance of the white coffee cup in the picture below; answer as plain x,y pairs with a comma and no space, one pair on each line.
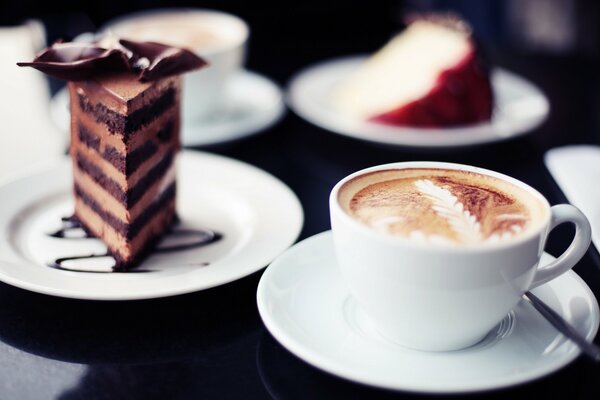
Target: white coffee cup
439,298
218,37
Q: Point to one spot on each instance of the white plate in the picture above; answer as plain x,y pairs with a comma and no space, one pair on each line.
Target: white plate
253,104
305,305
257,214
519,108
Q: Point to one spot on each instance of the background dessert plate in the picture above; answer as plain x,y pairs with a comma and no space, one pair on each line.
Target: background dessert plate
305,305
519,108
256,214
253,103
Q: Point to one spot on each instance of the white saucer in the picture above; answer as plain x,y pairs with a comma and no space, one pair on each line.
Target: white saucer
519,108
254,103
305,305
258,216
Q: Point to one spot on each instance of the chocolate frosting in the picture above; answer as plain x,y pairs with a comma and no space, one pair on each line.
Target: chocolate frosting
75,61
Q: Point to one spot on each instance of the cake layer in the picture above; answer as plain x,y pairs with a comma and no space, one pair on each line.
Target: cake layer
167,132
128,251
128,123
109,169
118,210
127,160
115,157
127,163
117,200
157,128
121,94
127,230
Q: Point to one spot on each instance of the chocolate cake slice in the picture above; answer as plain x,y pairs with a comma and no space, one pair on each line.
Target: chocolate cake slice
124,139
125,118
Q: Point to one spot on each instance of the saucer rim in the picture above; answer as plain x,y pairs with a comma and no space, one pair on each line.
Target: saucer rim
325,364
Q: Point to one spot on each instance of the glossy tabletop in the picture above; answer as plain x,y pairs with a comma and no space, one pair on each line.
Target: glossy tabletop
212,344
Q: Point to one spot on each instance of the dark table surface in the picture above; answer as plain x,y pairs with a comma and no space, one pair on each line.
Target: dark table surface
212,344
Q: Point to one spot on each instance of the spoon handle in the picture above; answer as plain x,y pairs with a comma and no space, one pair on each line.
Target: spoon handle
588,348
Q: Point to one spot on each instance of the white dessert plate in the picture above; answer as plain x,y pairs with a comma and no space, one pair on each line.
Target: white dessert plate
305,305
257,215
253,103
519,108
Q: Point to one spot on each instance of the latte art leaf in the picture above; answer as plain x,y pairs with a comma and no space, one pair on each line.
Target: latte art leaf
440,207
446,205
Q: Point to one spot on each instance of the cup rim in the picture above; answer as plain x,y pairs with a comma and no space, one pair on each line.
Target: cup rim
122,19
335,207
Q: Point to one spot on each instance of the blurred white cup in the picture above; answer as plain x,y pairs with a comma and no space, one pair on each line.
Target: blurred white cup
218,37
29,139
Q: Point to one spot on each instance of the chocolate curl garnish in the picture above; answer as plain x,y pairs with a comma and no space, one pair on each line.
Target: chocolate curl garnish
148,60
155,60
77,61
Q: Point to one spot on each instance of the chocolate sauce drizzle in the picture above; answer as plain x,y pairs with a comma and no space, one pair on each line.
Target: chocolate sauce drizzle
175,240
59,263
71,229
199,238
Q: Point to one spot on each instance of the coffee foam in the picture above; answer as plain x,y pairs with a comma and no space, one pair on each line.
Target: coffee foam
445,206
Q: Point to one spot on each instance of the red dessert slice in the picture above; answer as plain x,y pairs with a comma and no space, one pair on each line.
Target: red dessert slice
427,76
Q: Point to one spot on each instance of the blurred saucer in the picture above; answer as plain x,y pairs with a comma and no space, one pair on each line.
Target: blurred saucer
520,107
254,103
306,306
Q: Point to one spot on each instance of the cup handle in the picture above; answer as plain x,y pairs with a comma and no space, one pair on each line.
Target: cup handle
578,247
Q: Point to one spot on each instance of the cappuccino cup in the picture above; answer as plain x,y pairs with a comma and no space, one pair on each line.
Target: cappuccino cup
437,254
218,37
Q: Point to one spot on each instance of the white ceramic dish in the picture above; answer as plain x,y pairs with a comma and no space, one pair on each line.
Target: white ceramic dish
213,192
305,305
520,107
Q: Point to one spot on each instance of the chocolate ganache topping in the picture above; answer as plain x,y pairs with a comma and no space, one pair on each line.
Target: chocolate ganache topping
76,61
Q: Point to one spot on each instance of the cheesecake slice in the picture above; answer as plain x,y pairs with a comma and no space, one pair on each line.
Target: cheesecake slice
427,76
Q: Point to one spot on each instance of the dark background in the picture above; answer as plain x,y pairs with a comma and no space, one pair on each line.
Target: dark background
542,40
212,344
287,35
